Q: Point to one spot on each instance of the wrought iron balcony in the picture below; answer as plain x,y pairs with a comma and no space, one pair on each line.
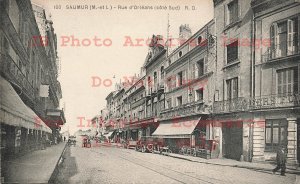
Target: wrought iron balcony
183,110
275,101
280,51
257,103
232,105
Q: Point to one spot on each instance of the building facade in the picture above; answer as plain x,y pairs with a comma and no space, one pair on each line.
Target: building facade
189,89
29,77
276,78
235,81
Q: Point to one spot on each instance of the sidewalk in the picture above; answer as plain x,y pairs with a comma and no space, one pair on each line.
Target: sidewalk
35,167
233,163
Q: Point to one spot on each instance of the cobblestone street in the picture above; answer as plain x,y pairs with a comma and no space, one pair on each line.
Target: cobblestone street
111,165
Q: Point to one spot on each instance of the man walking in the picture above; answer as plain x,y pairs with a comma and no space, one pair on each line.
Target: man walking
281,160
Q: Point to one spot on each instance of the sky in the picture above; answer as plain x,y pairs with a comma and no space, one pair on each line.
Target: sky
110,58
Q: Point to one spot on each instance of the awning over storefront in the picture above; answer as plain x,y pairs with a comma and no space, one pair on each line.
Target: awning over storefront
14,112
55,117
181,128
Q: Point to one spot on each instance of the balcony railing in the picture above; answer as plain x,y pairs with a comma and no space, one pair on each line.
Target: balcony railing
233,105
138,103
257,103
183,110
281,50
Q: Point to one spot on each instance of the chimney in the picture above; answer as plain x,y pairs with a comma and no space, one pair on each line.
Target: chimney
185,32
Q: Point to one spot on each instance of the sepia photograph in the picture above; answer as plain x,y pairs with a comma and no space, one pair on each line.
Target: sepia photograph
150,91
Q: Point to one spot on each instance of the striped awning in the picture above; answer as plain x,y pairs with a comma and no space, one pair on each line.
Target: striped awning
14,112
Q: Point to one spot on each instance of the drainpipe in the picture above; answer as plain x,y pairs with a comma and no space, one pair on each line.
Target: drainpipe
252,94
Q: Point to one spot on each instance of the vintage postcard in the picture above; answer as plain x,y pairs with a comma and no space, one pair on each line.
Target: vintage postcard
148,91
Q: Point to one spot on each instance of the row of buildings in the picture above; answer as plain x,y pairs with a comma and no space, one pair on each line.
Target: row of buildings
30,91
235,81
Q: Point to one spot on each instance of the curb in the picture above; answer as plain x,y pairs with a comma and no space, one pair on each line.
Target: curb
237,166
55,171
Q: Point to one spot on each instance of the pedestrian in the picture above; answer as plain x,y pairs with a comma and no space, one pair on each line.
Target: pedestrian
281,160
44,142
64,139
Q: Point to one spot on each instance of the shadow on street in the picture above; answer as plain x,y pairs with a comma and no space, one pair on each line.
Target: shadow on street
67,169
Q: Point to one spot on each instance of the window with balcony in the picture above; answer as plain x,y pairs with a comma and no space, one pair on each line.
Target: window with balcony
199,40
275,134
169,103
180,78
200,68
155,110
162,73
232,88
287,81
199,95
232,12
284,38
149,85
179,101
155,80
232,52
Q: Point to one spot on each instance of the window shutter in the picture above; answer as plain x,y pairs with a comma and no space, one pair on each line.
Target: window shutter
235,88
279,82
226,15
284,82
275,41
239,10
228,85
290,37
205,65
276,35
193,71
183,77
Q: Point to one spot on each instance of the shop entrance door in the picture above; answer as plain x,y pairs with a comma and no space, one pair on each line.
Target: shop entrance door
232,143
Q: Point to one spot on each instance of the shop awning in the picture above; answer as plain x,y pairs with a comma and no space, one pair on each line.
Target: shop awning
14,112
55,117
180,128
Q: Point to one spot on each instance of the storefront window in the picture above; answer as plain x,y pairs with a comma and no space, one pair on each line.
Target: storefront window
275,134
